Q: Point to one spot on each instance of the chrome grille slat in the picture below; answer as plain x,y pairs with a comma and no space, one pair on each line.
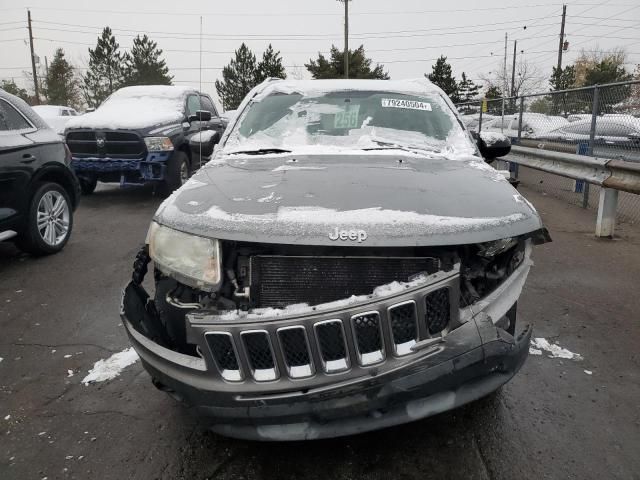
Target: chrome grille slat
332,345
403,320
367,330
296,351
260,354
225,354
438,310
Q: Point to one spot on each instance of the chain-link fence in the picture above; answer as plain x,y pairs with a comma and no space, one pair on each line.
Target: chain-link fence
601,121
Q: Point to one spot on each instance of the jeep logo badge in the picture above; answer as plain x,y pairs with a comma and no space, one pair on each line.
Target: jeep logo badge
355,235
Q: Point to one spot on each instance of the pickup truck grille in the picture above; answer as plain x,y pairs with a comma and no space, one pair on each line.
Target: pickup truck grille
278,281
330,346
105,144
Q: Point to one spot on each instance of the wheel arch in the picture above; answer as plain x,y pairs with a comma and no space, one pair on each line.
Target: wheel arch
60,175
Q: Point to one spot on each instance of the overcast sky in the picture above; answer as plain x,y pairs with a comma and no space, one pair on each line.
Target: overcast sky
404,35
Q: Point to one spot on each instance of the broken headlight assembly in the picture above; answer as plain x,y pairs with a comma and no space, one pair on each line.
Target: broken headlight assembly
190,259
491,249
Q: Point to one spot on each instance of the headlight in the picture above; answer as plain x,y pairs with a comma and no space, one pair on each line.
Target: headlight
193,260
158,144
491,249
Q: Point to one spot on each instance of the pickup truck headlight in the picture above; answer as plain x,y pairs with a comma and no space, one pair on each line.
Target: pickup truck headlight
190,259
158,144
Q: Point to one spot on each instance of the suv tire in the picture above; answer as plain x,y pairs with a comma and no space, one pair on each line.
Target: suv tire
177,173
49,221
88,185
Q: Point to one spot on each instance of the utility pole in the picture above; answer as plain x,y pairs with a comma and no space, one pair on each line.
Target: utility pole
561,45
513,69
346,37
504,75
33,60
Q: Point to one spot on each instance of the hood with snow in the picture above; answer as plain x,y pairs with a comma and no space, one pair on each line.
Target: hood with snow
396,198
135,108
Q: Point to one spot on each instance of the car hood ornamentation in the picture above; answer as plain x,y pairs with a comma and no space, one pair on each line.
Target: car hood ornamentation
370,199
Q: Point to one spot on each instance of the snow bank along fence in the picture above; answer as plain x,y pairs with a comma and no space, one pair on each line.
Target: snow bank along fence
581,145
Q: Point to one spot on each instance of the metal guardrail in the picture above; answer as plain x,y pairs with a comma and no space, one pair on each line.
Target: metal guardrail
590,135
611,175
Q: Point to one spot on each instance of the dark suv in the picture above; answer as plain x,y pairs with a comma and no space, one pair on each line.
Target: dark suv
38,190
144,134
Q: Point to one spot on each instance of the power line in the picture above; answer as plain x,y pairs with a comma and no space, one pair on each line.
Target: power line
267,36
308,14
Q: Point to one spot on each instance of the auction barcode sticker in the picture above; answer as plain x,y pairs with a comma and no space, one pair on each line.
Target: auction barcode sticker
411,104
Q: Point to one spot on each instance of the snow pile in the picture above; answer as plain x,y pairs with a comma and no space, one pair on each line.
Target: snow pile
538,345
311,88
284,168
136,107
203,137
110,368
367,216
387,290
491,138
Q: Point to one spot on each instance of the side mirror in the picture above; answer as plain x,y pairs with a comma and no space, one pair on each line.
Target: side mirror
200,116
493,145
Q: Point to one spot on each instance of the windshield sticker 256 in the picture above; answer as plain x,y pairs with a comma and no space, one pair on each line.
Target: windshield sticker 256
410,104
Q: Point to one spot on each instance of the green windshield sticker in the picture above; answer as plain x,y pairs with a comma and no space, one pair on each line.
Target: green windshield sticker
410,104
348,118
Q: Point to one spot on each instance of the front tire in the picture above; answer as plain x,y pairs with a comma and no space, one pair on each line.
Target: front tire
88,185
49,221
177,172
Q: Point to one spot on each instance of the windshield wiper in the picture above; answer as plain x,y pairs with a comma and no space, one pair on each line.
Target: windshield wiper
260,151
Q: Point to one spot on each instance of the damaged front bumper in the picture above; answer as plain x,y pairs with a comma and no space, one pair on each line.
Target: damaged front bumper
248,384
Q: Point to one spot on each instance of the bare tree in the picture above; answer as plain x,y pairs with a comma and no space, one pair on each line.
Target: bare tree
297,72
528,79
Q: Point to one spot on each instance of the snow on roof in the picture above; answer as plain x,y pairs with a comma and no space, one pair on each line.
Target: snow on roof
48,108
136,107
157,91
417,86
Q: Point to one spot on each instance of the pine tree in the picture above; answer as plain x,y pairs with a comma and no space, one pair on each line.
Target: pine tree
359,65
442,77
239,77
11,87
467,90
563,79
270,66
143,65
105,73
61,84
493,92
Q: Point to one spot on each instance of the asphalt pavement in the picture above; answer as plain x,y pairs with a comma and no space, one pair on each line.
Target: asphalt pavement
558,419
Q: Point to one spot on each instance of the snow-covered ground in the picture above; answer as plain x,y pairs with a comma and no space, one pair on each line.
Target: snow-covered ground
538,345
110,368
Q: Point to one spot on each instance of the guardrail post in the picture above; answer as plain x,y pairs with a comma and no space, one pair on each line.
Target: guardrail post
607,208
514,171
520,119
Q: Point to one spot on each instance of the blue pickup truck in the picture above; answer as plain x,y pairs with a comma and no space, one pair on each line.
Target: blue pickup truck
144,134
